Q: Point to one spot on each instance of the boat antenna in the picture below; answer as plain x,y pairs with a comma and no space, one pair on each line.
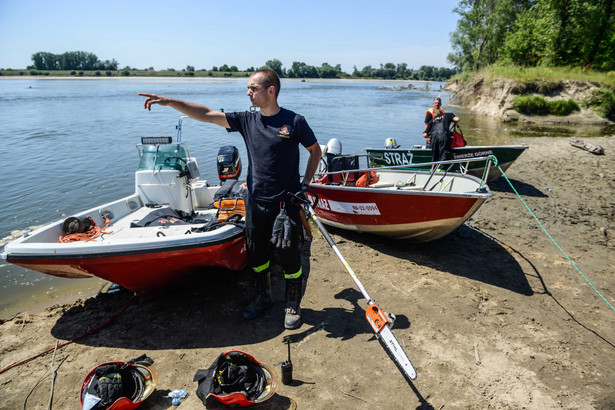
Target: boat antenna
179,128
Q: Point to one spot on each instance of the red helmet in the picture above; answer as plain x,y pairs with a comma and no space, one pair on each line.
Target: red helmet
235,378
119,385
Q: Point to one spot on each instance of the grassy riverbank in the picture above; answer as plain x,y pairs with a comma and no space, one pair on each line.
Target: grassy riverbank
537,94
547,75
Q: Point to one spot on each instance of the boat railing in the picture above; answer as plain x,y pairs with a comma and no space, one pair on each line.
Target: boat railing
438,169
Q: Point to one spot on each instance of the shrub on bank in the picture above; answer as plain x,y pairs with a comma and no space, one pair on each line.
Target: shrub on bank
561,108
537,105
603,101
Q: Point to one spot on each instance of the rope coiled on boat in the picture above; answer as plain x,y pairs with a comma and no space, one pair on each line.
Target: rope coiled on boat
91,234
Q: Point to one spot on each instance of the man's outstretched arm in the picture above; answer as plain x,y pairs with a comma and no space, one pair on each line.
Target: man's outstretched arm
196,111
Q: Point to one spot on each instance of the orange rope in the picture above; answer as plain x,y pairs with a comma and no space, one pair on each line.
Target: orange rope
90,235
89,332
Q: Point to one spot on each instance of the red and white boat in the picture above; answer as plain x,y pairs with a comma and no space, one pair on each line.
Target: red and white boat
404,203
139,255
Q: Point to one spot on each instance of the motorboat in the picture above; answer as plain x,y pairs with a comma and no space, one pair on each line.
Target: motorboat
398,201
421,154
173,224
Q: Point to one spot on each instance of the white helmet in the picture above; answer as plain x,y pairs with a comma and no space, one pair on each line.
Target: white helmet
390,143
334,146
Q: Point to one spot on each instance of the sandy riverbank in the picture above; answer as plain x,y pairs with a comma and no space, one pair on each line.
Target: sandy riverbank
492,316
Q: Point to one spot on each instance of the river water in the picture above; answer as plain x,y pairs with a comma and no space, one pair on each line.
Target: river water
69,144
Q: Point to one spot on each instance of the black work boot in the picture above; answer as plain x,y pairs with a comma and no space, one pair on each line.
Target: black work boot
292,318
263,299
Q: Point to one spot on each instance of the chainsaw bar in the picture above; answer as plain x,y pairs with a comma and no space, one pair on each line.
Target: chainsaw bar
381,323
396,352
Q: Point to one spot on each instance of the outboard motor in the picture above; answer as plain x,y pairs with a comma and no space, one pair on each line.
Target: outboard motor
229,163
390,143
334,148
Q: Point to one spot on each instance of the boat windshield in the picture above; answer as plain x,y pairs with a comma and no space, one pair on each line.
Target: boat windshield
167,156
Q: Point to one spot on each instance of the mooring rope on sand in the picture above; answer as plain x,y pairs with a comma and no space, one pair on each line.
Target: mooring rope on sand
494,160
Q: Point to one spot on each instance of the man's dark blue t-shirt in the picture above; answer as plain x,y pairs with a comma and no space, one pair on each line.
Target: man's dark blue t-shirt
273,150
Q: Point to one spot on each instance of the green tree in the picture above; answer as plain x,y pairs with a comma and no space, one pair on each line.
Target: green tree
481,31
328,71
302,70
401,70
45,61
275,65
530,41
71,60
534,32
585,32
601,51
367,71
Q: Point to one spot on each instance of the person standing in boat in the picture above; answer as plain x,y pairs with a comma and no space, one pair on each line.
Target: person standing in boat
429,115
272,136
438,131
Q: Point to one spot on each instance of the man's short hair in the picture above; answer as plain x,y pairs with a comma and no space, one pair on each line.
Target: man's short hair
438,99
269,78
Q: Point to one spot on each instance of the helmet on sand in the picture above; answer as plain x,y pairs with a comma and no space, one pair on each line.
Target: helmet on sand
235,379
390,143
119,385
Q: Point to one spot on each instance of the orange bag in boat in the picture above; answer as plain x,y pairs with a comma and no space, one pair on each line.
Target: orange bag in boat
363,180
228,207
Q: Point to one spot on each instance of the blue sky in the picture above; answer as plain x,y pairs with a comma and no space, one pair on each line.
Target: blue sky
203,34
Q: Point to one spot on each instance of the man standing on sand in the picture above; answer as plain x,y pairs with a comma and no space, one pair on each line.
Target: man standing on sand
272,137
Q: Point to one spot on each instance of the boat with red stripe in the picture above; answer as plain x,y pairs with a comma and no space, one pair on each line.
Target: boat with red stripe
174,224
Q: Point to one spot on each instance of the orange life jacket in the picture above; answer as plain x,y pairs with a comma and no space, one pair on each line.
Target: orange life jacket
430,111
228,207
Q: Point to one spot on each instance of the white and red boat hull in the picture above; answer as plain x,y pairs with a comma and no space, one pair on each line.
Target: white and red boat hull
141,270
399,213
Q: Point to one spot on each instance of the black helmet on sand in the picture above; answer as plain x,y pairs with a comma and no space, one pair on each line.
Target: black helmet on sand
237,379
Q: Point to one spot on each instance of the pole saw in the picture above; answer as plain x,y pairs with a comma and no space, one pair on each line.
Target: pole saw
380,321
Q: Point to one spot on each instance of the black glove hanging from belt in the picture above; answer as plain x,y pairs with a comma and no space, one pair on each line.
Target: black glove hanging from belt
282,230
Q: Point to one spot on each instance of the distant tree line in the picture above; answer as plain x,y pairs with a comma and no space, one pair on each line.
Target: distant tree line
71,60
81,60
534,33
388,71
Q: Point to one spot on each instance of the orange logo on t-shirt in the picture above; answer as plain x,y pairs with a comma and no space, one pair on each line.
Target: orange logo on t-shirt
284,132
